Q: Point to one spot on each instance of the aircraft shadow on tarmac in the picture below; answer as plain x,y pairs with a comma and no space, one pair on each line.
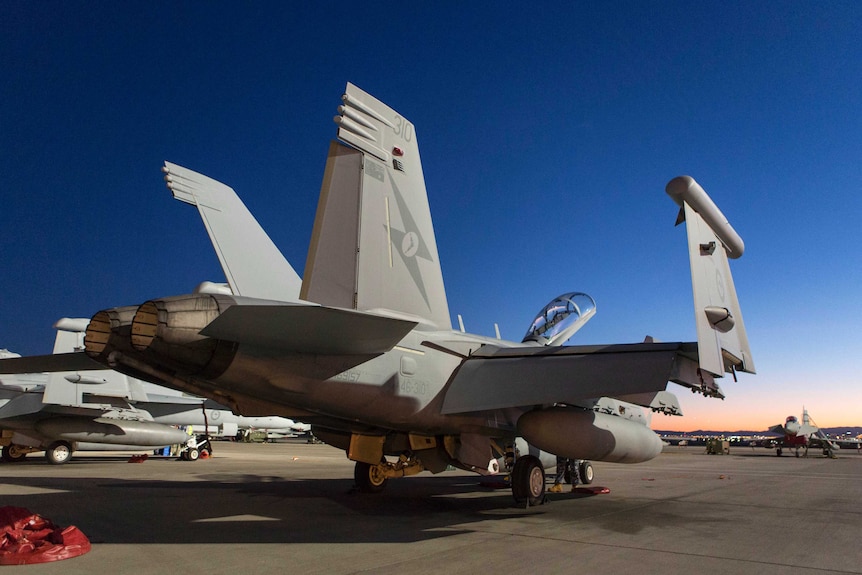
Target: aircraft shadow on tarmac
259,509
249,508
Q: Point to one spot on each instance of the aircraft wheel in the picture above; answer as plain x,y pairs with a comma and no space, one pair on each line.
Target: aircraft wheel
192,454
528,481
778,451
58,453
13,453
369,478
585,472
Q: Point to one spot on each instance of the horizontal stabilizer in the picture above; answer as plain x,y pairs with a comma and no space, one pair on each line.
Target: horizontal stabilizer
252,264
309,329
77,361
500,378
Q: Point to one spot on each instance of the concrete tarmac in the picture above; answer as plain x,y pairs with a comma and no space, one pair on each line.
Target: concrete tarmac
288,508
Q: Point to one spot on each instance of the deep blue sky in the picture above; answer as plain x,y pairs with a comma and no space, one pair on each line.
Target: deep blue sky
547,137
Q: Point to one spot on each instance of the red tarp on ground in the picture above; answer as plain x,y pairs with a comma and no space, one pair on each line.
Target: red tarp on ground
29,538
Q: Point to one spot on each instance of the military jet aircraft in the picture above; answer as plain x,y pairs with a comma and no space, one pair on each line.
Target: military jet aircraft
800,436
367,354
101,410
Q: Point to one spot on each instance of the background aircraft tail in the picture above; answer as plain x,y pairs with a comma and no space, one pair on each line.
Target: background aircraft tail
373,244
721,339
70,387
252,264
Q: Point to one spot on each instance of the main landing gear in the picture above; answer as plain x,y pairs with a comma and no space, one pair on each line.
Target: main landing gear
14,452
372,478
369,478
585,472
528,481
58,453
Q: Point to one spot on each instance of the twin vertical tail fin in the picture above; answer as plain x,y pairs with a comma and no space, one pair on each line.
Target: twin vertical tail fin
252,264
373,246
721,339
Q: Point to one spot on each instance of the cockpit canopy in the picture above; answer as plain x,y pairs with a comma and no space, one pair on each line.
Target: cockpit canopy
561,318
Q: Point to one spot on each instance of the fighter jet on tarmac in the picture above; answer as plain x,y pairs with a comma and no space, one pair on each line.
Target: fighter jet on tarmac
100,410
796,436
366,353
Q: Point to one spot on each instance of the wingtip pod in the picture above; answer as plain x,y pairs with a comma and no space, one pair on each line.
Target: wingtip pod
722,341
684,189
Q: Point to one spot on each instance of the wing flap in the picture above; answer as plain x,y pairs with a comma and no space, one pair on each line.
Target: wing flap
309,329
495,378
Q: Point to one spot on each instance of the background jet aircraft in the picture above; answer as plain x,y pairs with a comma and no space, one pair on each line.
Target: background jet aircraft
800,436
367,353
97,410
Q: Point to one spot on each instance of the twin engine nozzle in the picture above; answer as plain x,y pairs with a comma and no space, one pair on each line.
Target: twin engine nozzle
164,334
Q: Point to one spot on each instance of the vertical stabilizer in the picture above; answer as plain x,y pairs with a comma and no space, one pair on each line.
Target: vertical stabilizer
721,339
330,268
252,264
373,244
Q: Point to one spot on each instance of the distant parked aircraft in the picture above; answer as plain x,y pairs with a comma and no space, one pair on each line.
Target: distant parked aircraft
62,412
799,436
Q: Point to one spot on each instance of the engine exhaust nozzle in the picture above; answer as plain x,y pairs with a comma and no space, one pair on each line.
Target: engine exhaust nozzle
108,331
167,332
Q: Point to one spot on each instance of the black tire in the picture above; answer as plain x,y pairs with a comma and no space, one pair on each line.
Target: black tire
13,453
778,451
58,453
368,478
193,454
585,472
528,481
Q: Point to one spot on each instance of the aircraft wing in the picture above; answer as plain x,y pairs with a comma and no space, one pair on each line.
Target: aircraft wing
500,378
